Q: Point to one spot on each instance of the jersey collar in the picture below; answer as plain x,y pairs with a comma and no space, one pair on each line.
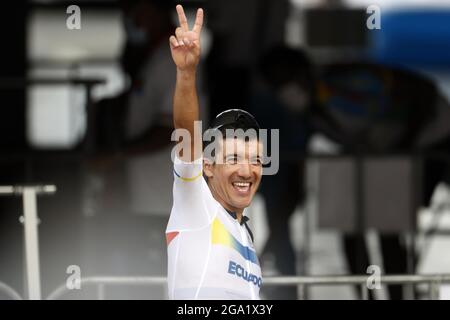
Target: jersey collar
233,214
244,220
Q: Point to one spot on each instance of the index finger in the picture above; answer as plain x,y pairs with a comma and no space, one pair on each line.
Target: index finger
198,21
182,18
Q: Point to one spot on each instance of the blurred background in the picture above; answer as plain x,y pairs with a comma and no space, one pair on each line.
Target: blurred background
359,90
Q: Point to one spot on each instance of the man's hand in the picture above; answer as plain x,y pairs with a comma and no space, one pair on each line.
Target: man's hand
185,45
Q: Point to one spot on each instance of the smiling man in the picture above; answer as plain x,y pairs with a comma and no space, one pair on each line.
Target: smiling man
210,246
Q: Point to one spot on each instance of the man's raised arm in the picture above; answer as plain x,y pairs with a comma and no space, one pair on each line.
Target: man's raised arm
185,48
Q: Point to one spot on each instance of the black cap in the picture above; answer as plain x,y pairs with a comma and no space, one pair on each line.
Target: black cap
235,119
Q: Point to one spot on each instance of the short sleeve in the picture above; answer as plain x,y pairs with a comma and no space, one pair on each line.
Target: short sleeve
193,205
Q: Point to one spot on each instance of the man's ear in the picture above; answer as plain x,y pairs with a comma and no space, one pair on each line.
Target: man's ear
207,167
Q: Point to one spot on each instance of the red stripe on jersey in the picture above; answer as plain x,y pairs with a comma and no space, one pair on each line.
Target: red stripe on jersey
170,236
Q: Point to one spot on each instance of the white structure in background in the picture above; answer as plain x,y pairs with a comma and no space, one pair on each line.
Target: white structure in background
56,113
434,259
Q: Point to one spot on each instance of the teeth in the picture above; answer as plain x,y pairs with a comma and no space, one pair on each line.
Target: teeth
242,184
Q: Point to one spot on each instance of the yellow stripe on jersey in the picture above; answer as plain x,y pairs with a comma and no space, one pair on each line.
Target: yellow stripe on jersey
187,179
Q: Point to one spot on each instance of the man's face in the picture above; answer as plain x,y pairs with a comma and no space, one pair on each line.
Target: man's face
236,174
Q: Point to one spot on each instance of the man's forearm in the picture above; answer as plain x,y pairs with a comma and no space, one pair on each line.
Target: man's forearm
186,111
185,104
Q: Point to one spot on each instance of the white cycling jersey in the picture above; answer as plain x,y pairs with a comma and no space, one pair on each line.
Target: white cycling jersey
210,254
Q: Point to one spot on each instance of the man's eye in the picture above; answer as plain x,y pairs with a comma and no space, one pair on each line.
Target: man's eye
232,160
256,161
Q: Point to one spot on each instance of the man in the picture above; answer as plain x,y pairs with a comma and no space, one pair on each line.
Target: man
210,250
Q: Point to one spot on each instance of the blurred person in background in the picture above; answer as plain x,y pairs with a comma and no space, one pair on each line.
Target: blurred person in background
135,124
240,34
140,116
283,97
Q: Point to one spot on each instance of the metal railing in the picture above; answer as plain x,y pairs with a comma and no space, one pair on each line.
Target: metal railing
30,221
101,282
10,292
302,282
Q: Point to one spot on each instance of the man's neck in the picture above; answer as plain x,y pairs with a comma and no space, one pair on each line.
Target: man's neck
239,212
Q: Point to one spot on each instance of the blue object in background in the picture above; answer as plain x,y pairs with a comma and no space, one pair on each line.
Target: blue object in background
413,38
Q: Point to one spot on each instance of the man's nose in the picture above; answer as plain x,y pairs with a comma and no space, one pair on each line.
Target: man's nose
244,170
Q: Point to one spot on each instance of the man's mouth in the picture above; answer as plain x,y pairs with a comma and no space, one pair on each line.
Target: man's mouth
242,187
